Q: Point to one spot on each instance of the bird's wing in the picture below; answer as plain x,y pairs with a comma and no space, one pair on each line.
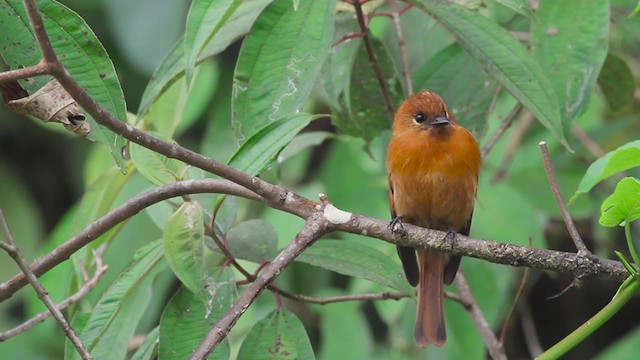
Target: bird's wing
407,254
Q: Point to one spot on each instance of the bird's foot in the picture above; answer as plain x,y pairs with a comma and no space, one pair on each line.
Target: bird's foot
396,226
452,234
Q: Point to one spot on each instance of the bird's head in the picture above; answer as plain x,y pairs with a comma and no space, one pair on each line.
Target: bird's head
424,111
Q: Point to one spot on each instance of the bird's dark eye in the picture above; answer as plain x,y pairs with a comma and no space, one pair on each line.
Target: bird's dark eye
419,118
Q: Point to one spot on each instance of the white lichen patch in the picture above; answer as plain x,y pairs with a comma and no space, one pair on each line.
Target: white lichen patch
335,215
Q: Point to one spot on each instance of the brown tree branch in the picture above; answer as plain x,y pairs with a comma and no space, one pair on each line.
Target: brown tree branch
493,345
316,226
118,215
11,248
23,73
373,60
77,296
571,227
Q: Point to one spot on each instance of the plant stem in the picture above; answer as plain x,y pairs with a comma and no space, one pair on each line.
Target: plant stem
592,324
630,243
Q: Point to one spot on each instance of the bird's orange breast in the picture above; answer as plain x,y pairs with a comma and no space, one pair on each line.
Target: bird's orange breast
434,178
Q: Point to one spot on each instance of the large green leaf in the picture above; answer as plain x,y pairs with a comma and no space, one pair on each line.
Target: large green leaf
254,240
623,158
617,82
623,205
571,41
622,348
79,51
344,331
520,6
173,65
279,62
462,83
183,240
121,307
149,348
188,317
205,19
155,167
503,57
262,148
354,259
278,336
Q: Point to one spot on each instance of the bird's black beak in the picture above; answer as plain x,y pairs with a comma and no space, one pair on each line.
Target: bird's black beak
441,120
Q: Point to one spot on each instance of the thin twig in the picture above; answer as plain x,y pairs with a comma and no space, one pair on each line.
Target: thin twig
77,296
315,227
588,142
493,345
406,70
11,248
373,60
573,232
515,140
530,332
516,299
24,73
506,124
347,37
352,297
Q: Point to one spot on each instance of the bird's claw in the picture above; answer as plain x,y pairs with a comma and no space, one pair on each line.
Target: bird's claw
396,226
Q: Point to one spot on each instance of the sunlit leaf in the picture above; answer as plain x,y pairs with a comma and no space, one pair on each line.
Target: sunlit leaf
280,335
149,348
571,41
262,148
279,62
183,239
623,158
623,204
173,65
205,19
122,306
155,167
520,6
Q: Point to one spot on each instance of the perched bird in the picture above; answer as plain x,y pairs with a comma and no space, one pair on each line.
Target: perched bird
432,164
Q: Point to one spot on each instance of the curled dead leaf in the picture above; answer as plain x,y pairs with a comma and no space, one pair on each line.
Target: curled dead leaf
53,103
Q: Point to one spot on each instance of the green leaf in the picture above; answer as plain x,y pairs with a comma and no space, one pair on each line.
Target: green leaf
520,6
344,331
363,112
79,51
280,335
354,259
254,240
279,62
302,142
623,205
205,19
188,317
571,41
180,106
149,348
623,348
503,57
78,323
157,168
183,239
173,65
623,158
121,307
262,148
462,83
627,264
617,82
